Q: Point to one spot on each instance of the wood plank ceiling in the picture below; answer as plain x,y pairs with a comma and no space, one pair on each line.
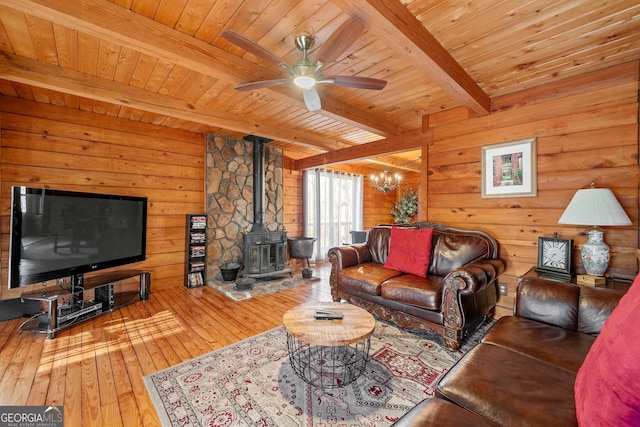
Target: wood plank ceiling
166,62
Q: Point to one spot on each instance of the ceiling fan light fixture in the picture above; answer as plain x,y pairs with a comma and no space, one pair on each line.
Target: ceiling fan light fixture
305,73
305,82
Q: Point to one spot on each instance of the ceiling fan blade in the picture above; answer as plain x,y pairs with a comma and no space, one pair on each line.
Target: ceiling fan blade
311,99
339,41
252,47
259,85
358,82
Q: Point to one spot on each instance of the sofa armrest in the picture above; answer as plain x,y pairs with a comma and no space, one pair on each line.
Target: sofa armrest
475,275
349,255
468,280
342,257
568,306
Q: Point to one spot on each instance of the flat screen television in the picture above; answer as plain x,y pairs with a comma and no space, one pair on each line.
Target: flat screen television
57,234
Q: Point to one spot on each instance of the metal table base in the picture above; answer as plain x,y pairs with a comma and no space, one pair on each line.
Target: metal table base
328,366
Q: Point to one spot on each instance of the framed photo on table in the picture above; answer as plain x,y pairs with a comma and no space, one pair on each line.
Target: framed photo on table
554,257
509,169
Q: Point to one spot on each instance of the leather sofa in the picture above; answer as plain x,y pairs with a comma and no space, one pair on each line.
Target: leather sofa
523,371
457,295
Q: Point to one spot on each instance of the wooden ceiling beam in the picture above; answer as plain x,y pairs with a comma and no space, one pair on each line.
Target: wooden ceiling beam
394,144
108,21
392,22
39,74
398,162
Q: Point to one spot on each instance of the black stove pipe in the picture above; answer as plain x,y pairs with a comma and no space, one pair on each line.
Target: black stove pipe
258,181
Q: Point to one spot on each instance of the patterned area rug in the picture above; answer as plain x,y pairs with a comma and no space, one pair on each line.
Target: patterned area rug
251,383
262,286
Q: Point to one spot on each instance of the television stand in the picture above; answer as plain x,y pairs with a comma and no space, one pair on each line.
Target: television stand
67,307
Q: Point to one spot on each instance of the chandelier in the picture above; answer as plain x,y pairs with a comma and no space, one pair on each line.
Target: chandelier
385,181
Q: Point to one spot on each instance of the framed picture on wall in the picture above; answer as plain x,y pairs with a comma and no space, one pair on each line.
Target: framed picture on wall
509,169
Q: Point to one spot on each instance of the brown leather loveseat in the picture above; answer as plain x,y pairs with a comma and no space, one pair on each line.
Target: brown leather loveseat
458,293
524,370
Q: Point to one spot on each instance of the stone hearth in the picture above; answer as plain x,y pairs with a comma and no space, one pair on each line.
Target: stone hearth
229,190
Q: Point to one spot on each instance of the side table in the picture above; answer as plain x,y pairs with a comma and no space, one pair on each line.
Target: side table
328,353
611,283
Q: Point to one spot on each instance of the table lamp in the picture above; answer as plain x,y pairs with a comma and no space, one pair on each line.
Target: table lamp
596,207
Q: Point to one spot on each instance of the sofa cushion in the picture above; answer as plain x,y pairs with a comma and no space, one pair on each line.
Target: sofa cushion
557,346
510,389
410,250
425,292
366,277
609,376
436,412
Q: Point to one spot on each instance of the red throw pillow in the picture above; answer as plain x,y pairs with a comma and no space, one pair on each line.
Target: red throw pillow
607,388
410,250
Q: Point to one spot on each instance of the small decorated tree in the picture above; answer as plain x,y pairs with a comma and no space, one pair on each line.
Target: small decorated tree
407,207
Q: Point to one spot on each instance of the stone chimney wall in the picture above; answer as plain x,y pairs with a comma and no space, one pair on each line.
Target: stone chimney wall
229,190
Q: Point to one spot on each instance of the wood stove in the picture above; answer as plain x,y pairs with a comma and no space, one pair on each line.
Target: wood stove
264,252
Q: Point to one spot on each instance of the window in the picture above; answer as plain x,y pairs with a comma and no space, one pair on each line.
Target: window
332,208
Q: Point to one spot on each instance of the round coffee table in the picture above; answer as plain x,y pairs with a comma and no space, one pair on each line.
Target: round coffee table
328,353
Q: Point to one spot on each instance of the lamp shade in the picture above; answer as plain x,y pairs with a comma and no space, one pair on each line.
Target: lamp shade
596,207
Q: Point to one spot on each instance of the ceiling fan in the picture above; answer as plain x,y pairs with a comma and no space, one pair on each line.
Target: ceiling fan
305,73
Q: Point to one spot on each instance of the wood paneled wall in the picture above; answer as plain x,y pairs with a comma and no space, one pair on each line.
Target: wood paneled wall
586,130
376,206
43,145
293,210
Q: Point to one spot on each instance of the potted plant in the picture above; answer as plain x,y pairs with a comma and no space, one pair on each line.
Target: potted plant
407,207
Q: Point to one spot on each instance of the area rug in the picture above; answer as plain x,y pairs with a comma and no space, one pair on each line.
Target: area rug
251,383
262,286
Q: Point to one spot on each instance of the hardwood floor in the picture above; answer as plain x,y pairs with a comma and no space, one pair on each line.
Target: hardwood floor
95,369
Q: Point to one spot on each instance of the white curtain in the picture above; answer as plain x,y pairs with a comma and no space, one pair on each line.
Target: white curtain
332,208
